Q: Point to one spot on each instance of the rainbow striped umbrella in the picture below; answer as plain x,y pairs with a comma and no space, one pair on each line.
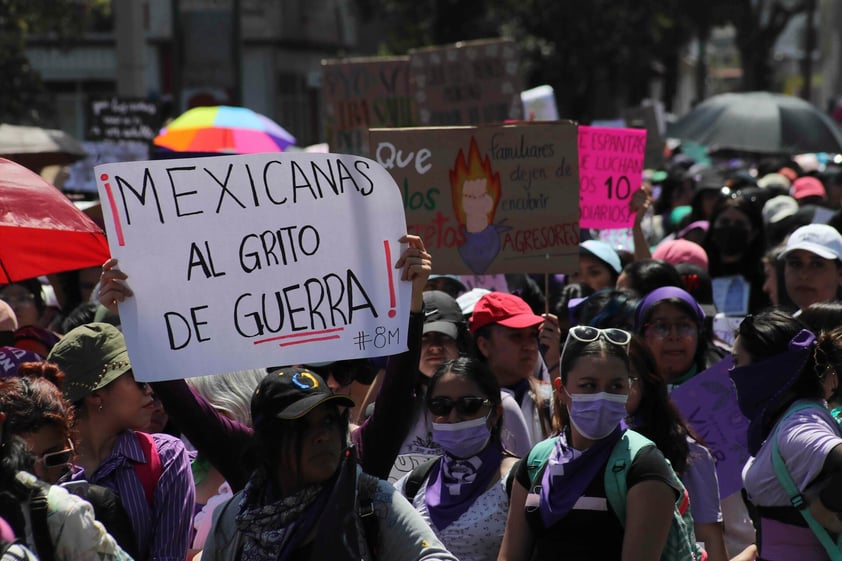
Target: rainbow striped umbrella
224,129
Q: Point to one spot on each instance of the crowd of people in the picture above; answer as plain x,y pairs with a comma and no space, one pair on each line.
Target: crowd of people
531,423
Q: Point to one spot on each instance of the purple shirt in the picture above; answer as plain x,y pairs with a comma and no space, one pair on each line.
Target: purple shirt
702,485
163,531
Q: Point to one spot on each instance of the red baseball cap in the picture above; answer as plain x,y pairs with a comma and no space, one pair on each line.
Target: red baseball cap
505,309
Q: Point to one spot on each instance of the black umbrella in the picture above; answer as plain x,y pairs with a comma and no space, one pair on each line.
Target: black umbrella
759,122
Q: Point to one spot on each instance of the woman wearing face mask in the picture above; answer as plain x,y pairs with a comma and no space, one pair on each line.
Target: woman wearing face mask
735,244
559,506
782,376
462,494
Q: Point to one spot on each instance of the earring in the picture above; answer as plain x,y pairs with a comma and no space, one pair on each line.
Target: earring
99,408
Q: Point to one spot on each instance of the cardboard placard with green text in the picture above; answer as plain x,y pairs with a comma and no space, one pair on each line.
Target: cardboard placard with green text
489,199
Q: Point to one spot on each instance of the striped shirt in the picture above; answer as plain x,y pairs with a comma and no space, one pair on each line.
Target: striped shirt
163,531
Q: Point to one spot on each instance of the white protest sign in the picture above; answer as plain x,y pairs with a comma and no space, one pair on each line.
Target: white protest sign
251,261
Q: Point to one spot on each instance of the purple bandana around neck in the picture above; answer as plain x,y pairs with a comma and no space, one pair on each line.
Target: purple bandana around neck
566,477
454,484
763,386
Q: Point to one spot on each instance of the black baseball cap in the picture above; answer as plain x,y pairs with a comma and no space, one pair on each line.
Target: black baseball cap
290,393
442,314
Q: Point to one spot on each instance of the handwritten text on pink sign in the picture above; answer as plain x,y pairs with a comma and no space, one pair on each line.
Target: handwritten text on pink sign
610,170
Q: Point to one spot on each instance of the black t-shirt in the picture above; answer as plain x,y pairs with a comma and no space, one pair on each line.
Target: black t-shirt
594,531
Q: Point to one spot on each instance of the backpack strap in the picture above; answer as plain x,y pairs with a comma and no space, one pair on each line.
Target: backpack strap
148,472
38,505
619,462
417,477
537,458
367,487
834,549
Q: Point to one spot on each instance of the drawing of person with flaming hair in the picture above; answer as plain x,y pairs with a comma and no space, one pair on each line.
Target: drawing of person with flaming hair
475,192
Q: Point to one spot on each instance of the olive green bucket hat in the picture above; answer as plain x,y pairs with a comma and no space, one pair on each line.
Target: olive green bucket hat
91,356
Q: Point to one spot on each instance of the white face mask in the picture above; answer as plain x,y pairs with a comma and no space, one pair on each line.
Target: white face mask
595,416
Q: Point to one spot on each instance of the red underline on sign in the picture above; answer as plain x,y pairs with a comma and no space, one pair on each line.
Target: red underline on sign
304,334
309,340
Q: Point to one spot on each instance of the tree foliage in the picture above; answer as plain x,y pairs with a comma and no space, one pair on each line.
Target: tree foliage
23,99
599,55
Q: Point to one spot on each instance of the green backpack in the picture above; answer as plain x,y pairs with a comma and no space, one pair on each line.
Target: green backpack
681,542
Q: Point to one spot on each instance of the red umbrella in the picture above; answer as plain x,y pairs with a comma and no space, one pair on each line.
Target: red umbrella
41,230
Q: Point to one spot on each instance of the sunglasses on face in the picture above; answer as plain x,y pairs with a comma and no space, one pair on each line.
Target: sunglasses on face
56,459
466,405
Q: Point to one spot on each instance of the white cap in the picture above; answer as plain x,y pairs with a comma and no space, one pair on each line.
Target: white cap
469,299
603,252
778,208
821,239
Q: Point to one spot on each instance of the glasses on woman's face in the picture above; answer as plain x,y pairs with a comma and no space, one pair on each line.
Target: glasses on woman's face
466,405
663,329
56,459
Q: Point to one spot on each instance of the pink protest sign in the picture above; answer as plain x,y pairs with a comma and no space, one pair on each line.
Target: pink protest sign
610,170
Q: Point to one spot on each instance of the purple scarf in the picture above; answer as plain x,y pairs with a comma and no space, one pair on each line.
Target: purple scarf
566,477
454,484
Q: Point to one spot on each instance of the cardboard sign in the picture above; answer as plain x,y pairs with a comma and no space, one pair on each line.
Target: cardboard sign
250,261
611,170
494,283
708,402
469,83
364,93
486,200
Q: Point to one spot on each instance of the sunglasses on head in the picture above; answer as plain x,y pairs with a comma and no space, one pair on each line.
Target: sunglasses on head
56,459
588,334
466,405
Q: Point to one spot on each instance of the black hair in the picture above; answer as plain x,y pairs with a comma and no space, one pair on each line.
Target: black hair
14,457
829,353
474,371
767,334
657,417
822,316
562,307
646,275
608,307
574,350
84,313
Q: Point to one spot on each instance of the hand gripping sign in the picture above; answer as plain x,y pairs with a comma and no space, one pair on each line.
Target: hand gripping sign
251,261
